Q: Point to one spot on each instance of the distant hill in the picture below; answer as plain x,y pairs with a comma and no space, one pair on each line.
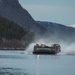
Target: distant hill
59,31
12,10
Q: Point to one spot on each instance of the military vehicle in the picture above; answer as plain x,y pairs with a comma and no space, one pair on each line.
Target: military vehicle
43,49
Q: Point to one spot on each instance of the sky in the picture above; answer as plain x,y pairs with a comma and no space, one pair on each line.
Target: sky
58,11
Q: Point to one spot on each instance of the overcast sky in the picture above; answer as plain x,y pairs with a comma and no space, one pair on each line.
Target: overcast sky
59,11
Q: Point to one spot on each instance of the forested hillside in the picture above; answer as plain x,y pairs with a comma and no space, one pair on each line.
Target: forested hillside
13,35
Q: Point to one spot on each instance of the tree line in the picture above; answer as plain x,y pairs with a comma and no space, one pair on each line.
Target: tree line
13,35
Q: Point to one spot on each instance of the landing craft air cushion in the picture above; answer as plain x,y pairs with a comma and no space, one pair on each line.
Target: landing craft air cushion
43,49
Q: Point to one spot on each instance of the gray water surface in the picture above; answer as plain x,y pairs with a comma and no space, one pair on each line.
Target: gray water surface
17,63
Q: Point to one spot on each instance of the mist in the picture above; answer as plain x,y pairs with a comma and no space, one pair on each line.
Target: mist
67,48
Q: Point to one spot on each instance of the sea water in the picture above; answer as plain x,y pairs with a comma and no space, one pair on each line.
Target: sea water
19,63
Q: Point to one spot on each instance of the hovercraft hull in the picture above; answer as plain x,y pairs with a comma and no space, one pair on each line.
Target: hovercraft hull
46,50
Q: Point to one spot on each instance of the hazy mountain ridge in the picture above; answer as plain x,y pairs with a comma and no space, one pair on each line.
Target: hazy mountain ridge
59,31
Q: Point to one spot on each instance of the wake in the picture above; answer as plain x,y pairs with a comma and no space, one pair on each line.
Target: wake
66,48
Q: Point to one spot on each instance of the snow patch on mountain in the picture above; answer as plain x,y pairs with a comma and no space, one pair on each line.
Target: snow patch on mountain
73,25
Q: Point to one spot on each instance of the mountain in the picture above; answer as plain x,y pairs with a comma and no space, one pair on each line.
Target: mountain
12,10
59,31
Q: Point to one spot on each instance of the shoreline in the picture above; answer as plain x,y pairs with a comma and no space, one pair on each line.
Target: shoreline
13,49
